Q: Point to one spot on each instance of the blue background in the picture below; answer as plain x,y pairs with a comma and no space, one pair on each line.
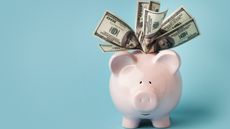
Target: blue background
54,76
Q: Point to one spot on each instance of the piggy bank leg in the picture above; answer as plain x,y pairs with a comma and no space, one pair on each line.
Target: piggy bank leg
161,123
130,123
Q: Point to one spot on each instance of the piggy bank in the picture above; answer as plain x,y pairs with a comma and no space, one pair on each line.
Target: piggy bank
145,86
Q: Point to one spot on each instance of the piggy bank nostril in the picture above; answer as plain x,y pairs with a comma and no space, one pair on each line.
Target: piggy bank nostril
145,99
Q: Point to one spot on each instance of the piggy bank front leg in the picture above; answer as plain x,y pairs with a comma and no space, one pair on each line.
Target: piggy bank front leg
163,122
130,122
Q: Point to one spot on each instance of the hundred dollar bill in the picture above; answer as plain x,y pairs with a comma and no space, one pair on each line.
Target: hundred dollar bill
177,36
115,31
152,21
154,6
178,17
111,48
151,25
141,5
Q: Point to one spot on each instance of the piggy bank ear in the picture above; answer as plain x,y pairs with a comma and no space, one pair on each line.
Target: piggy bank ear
168,58
120,60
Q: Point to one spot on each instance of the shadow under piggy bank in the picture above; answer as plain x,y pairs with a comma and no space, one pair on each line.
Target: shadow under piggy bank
187,117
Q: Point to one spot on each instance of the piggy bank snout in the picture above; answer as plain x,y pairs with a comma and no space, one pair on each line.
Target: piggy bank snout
145,101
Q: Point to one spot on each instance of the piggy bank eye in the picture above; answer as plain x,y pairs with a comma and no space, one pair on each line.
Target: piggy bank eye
150,82
140,82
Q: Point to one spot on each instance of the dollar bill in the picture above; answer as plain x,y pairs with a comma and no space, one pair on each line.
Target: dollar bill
177,36
115,31
111,48
141,5
153,33
154,6
152,21
151,25
178,17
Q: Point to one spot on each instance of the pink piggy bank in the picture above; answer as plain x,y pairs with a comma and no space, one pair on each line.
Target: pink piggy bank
145,86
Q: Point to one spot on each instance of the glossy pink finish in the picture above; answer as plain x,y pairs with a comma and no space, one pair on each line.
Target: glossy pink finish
145,86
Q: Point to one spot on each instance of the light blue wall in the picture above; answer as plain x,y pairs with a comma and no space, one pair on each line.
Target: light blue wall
54,76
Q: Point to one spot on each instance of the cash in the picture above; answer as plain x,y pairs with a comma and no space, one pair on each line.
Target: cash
153,32
151,24
175,37
154,6
152,21
115,31
111,48
177,18
141,5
